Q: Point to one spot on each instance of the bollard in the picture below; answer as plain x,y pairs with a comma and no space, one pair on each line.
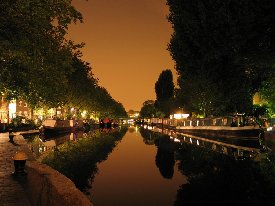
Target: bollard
19,163
11,136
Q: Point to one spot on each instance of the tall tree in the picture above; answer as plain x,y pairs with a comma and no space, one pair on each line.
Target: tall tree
267,90
222,50
35,57
148,109
164,88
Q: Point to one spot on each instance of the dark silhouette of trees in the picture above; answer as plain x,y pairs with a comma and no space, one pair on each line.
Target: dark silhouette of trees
164,88
165,160
35,55
223,52
41,66
148,109
267,91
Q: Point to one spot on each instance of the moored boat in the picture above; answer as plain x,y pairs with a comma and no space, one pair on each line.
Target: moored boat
56,126
222,131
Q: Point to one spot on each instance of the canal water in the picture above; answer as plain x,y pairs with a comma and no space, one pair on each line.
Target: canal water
131,176
136,166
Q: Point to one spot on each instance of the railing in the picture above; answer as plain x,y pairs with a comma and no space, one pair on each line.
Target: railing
215,121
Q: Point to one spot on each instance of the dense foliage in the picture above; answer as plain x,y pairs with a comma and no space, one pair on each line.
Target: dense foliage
148,109
164,88
41,66
84,153
223,51
35,56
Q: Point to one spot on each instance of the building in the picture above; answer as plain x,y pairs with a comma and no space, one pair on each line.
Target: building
13,108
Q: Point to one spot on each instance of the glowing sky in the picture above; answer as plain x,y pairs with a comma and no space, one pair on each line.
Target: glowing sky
126,44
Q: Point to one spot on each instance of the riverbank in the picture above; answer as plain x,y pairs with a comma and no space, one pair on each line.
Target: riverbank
41,186
11,191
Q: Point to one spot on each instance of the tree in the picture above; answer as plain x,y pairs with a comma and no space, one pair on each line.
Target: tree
267,91
40,65
148,109
164,88
35,56
222,51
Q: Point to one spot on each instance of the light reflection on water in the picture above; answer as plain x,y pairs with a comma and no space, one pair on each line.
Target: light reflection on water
40,144
147,168
130,176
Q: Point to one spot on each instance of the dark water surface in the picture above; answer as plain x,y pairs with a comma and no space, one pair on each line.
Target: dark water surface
135,166
130,176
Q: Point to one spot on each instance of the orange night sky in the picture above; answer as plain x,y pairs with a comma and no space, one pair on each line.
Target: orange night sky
126,45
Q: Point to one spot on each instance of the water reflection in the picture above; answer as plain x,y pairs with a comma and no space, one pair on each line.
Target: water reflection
148,169
138,174
40,144
77,160
76,154
216,177
220,180
165,160
249,148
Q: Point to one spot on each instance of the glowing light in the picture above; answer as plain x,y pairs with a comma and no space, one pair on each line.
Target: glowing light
12,109
51,111
181,116
83,114
177,116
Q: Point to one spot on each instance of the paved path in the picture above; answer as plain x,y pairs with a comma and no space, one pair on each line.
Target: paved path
11,192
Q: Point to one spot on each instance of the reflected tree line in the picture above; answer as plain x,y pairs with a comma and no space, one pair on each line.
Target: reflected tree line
213,178
78,159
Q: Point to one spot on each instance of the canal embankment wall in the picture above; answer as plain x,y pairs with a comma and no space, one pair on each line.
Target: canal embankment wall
45,186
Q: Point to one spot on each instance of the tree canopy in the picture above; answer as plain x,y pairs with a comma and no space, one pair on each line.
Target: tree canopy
223,51
164,88
41,65
148,109
35,56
